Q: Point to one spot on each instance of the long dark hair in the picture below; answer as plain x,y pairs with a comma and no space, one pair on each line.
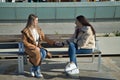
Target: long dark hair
31,19
84,22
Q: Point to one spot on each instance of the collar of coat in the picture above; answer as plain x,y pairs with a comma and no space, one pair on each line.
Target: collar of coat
27,32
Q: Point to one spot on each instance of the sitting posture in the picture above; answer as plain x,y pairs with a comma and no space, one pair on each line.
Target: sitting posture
82,41
32,36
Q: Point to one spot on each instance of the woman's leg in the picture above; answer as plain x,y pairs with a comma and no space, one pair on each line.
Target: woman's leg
43,53
72,52
85,51
35,70
38,72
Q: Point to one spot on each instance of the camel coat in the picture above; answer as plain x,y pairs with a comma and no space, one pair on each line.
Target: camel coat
30,45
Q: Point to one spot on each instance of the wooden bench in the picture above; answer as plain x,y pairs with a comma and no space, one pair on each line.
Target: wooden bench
63,52
15,42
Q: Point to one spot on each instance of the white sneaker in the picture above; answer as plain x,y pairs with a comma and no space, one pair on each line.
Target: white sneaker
38,74
70,66
74,71
32,72
71,69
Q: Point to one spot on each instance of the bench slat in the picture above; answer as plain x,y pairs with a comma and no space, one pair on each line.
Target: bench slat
9,45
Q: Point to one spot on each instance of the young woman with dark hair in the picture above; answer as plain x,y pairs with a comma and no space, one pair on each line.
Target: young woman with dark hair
82,41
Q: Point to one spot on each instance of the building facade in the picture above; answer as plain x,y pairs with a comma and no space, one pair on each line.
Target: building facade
77,0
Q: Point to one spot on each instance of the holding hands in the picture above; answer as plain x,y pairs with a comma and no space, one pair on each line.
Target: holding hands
59,44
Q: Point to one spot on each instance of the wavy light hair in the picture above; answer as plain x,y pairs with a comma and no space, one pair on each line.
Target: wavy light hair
30,21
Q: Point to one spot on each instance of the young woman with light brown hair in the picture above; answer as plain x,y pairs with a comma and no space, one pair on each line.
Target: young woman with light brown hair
32,35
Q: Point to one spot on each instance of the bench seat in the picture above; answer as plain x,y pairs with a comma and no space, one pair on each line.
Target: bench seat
63,52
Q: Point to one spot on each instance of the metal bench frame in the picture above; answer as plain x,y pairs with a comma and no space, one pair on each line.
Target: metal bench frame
22,57
95,52
19,53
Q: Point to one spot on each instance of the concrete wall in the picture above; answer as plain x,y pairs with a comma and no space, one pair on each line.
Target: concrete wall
60,11
109,45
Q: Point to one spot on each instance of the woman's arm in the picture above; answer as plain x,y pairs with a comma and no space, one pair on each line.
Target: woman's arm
45,38
26,43
71,39
85,37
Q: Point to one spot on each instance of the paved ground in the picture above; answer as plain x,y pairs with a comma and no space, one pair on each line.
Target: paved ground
53,69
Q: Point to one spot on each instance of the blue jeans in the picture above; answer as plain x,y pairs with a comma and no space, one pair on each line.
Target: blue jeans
43,53
73,50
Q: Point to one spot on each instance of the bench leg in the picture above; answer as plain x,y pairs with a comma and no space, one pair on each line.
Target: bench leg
99,61
20,64
25,59
93,56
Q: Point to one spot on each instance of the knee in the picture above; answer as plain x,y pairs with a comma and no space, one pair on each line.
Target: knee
71,44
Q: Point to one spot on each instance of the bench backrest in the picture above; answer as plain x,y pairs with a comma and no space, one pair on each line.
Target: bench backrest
9,45
21,48
13,45
20,45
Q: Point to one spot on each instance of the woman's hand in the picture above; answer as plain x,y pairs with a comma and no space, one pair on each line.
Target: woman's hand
49,55
59,44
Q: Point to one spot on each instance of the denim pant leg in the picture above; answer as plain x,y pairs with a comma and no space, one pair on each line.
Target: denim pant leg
72,52
84,51
43,53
